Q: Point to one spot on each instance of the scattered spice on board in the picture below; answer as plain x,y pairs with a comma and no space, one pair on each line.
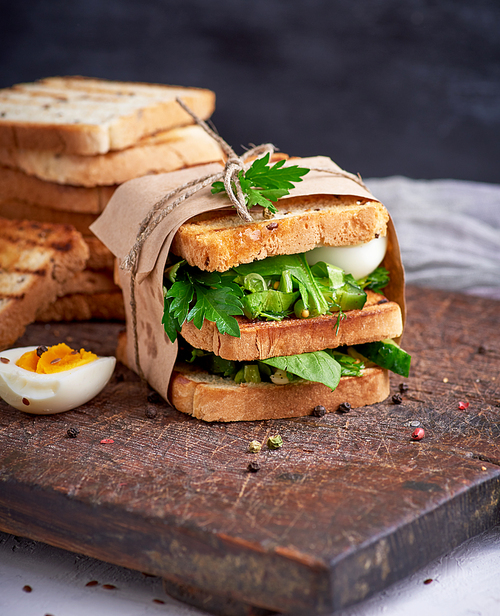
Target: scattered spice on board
319,411
73,432
253,466
345,407
463,405
274,442
397,398
107,441
418,434
254,447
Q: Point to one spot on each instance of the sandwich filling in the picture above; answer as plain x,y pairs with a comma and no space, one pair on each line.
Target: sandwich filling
274,289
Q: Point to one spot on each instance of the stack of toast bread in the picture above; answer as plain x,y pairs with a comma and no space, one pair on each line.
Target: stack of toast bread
67,143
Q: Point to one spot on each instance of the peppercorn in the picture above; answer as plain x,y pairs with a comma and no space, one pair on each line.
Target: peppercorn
254,447
274,442
150,412
319,411
154,397
403,387
41,350
73,432
345,407
397,398
418,434
253,466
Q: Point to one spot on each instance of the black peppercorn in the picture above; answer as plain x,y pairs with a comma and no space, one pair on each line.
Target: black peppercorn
403,387
73,432
253,467
397,398
41,350
345,407
150,412
154,397
319,411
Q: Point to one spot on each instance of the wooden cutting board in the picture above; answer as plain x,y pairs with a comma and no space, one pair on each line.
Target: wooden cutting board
347,506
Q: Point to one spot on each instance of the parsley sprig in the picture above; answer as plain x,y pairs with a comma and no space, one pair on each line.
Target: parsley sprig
262,184
196,296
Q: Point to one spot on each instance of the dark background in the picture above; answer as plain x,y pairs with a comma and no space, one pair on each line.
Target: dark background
384,87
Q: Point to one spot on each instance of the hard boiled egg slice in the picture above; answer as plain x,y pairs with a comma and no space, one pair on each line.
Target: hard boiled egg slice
42,394
359,260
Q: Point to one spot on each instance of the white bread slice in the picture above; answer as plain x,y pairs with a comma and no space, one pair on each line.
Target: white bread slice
107,306
17,185
89,282
166,151
15,209
213,398
377,320
100,257
218,241
87,116
35,260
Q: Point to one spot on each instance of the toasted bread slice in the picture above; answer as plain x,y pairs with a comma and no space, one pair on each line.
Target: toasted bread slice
15,209
378,319
100,257
166,151
79,115
18,185
89,282
218,241
106,306
35,260
213,398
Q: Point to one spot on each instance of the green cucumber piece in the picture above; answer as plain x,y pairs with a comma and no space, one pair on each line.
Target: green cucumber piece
351,297
386,354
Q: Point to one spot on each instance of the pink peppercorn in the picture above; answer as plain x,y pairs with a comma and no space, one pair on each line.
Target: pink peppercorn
418,434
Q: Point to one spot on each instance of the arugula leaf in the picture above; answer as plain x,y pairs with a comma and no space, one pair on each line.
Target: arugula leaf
262,184
299,269
349,365
376,281
319,367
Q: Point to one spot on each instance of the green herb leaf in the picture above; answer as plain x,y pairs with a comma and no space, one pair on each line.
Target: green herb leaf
349,365
217,305
263,184
319,367
299,269
376,281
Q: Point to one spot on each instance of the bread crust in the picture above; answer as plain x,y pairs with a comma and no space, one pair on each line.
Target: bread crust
377,320
18,185
211,398
163,152
218,242
79,115
35,260
107,306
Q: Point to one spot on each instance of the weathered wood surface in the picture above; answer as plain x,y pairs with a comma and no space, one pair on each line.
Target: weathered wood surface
347,506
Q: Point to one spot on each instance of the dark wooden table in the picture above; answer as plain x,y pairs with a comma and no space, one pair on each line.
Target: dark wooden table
347,506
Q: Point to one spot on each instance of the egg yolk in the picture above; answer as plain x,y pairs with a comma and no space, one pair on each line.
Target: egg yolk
55,359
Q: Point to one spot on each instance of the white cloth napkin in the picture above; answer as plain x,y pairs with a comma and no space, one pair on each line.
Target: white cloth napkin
448,230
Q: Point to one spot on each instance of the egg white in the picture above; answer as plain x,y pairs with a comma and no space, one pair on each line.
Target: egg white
359,260
51,393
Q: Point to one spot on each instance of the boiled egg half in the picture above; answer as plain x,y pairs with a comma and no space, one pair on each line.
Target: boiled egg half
359,260
58,391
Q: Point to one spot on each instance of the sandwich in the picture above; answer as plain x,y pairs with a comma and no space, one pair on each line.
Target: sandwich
301,308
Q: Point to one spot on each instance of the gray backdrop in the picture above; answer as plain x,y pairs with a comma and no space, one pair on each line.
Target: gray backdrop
384,87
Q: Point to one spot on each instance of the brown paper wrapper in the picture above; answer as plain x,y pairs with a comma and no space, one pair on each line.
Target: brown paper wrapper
118,226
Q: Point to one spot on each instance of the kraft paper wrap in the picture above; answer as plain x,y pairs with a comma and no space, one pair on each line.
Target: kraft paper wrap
118,226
